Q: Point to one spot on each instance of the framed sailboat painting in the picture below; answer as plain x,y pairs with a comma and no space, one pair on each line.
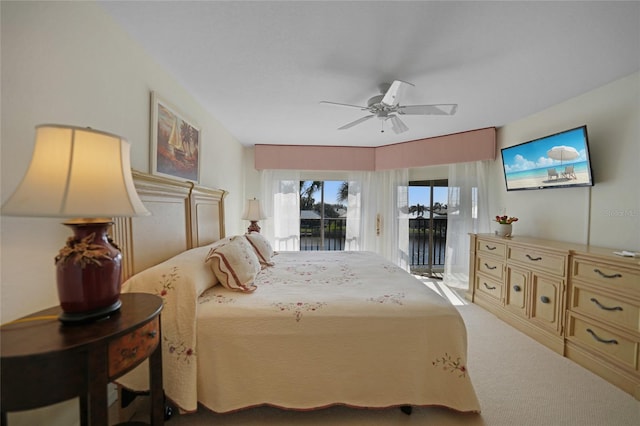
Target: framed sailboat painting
175,142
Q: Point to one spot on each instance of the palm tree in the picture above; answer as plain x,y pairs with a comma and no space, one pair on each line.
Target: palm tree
419,209
439,208
343,192
307,188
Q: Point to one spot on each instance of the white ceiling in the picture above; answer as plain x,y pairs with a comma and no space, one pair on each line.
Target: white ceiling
261,68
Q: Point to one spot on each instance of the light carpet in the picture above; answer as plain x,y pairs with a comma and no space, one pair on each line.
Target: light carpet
519,382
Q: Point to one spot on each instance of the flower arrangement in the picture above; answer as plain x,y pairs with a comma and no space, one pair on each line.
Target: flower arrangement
506,220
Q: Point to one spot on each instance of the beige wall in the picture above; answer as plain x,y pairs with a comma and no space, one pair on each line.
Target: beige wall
607,214
69,63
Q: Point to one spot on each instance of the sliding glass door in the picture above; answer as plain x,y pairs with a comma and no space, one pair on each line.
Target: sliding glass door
428,226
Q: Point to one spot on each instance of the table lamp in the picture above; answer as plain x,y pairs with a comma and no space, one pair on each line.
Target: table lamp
253,212
84,175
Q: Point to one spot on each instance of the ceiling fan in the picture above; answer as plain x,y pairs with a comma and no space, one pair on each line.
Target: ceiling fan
386,106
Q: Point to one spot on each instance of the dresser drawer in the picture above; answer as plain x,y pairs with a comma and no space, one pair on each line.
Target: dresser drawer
127,351
609,343
491,247
489,287
609,276
490,266
516,289
610,308
539,259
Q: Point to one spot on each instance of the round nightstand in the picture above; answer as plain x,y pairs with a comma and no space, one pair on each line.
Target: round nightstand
45,361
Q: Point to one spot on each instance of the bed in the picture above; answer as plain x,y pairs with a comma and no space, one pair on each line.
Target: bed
308,330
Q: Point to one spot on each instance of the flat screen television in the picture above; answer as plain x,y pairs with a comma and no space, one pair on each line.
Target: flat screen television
560,160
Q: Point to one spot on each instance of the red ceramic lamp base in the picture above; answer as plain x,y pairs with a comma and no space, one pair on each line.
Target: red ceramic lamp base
253,227
88,273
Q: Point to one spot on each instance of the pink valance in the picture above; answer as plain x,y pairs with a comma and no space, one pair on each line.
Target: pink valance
475,145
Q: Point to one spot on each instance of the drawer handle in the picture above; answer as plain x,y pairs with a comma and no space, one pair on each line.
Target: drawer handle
602,274
606,308
517,288
489,288
129,353
545,299
152,333
490,248
491,268
535,259
600,339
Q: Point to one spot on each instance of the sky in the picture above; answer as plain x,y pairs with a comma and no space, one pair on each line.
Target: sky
331,191
417,195
421,195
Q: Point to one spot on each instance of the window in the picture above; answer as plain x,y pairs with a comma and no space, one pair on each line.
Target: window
323,214
427,225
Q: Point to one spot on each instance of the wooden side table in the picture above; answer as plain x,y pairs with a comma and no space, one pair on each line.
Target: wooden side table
45,362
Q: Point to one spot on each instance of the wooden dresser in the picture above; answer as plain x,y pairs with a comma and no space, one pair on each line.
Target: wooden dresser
583,302
603,316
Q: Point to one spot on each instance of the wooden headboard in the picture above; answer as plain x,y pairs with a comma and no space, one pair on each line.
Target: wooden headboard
183,216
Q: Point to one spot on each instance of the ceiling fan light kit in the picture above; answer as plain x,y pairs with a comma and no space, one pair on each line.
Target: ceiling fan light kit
386,106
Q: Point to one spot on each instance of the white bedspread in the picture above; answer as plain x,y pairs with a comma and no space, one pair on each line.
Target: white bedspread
329,328
322,328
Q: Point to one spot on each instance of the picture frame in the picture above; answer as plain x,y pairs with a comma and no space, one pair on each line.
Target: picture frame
175,142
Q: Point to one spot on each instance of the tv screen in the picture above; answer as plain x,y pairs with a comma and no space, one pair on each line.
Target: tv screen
556,161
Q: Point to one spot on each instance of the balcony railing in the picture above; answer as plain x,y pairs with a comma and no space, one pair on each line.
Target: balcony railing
427,243
335,231
422,236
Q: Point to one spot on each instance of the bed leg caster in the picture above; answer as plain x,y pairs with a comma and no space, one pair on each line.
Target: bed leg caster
168,412
168,409
407,409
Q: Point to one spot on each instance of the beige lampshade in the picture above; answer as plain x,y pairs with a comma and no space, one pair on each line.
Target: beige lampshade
253,211
77,173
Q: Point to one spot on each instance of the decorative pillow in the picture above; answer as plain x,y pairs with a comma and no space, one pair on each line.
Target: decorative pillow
235,264
262,247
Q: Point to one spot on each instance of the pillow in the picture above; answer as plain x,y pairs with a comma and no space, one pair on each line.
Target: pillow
185,270
235,264
262,247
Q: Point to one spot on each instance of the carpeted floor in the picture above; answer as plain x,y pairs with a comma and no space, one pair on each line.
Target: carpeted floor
518,381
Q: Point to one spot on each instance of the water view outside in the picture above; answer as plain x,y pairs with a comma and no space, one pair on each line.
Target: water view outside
323,215
419,241
327,230
428,225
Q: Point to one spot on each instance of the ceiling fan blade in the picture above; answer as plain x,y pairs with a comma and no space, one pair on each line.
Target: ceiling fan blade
397,125
358,121
344,105
392,95
441,109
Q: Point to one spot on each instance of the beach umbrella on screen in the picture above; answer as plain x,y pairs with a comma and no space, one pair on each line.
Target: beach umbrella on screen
563,153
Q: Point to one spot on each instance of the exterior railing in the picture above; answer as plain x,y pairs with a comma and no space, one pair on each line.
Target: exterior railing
422,236
427,241
334,234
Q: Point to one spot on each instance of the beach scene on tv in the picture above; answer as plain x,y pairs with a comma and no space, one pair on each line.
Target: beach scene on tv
557,160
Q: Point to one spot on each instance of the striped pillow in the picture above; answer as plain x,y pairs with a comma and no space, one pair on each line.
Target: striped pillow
235,264
262,247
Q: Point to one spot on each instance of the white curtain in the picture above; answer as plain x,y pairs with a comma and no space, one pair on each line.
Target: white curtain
362,210
281,202
377,214
393,205
468,212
